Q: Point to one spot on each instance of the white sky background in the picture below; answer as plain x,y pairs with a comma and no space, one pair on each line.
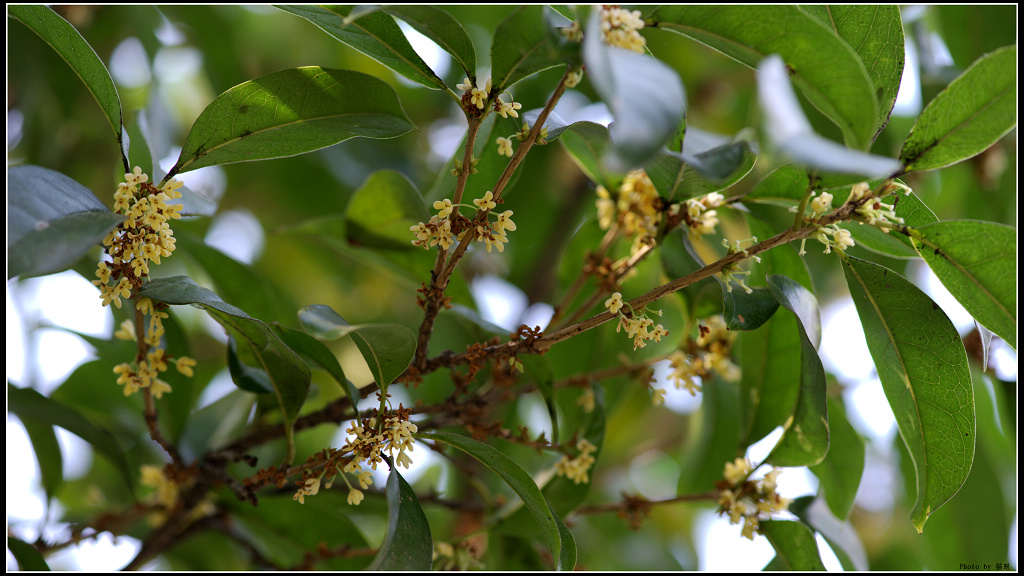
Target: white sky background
72,302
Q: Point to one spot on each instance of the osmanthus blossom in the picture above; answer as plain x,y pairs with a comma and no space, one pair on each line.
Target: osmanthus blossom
744,500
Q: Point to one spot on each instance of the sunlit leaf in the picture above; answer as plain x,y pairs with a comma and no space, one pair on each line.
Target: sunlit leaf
921,362
522,484
407,542
970,115
68,42
841,471
386,348
374,33
381,211
795,547
52,221
442,28
291,112
977,262
825,68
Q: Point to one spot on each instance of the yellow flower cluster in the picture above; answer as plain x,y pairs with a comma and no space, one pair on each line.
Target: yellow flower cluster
447,226
576,469
144,373
621,28
637,209
165,497
745,501
638,326
714,345
702,220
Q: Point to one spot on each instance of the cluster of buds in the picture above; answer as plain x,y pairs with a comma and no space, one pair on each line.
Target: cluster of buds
576,469
620,27
712,356
638,326
700,218
168,482
636,209
447,226
744,501
369,440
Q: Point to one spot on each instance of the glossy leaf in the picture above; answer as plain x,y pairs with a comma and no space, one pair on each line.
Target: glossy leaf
524,44
702,170
970,115
374,33
644,95
52,221
244,375
27,556
28,404
791,133
522,484
386,348
923,368
69,44
407,542
977,262
382,210
287,373
442,28
291,112
805,435
795,547
876,35
841,471
744,311
824,67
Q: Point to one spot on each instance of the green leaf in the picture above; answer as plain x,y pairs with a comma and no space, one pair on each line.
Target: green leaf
386,348
28,404
551,527
287,373
382,210
644,95
315,354
876,35
841,471
717,442
791,133
407,543
840,535
442,28
824,67
744,311
587,144
215,425
923,368
970,115
538,370
244,374
795,547
26,554
524,44
785,186
805,436
700,170
69,44
291,112
51,221
51,463
976,261
373,33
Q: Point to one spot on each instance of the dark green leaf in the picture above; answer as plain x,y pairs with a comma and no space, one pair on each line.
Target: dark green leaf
66,41
785,186
876,35
407,542
702,170
824,67
291,112
523,485
840,535
805,436
587,144
245,376
717,442
51,463
442,28
51,221
791,133
319,356
29,559
768,391
28,404
524,44
923,368
970,115
644,95
382,210
841,471
795,547
744,311
373,33
976,261
287,373
215,425
386,348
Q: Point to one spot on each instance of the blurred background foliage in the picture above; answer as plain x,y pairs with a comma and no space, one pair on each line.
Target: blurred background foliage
297,254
